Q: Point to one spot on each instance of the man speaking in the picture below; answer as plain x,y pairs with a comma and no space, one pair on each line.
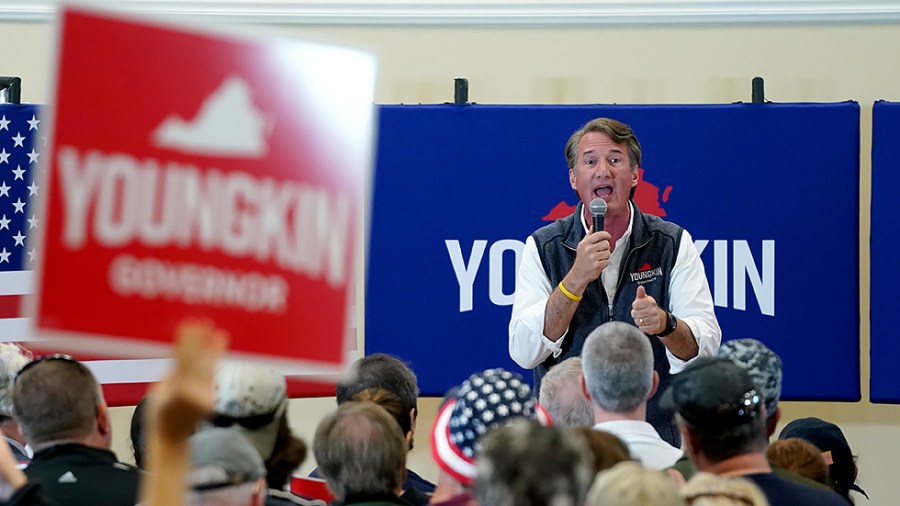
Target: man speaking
634,268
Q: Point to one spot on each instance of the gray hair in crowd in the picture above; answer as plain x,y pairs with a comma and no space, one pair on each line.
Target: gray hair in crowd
360,450
618,367
562,397
56,400
527,464
12,359
630,484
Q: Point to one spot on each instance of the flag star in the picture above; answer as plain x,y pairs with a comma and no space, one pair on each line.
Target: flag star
32,222
4,222
32,254
19,172
4,156
33,156
20,238
18,139
4,123
33,122
20,206
4,190
33,189
4,255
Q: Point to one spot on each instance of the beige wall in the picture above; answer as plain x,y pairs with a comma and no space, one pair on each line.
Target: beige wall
603,65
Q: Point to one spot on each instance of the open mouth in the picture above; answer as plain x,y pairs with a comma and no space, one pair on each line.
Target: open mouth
602,191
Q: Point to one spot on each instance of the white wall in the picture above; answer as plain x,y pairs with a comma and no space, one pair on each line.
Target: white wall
700,64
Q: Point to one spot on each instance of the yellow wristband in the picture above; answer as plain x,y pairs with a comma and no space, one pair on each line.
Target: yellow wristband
569,294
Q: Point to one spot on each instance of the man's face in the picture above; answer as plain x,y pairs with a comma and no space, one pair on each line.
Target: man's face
603,170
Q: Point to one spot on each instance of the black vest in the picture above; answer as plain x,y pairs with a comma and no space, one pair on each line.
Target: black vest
648,262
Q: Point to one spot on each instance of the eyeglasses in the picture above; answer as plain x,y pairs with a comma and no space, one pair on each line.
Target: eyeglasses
728,495
48,358
252,422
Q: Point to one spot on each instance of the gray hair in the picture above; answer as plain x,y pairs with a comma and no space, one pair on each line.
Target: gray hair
360,450
562,397
630,484
56,400
618,367
380,370
706,489
526,464
12,359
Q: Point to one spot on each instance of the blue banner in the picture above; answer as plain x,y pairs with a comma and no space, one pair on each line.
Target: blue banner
885,243
457,190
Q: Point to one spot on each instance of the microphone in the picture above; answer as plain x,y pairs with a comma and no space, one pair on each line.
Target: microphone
598,209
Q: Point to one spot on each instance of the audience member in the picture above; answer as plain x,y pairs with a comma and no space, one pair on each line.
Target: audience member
707,489
562,397
12,359
630,484
722,420
486,400
139,432
829,438
608,450
765,369
619,379
395,407
526,464
380,370
799,456
252,398
225,470
362,455
60,409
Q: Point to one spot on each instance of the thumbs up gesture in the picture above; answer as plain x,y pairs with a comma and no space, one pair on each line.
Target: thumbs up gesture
646,313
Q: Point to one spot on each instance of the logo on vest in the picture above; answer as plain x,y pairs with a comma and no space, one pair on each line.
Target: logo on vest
645,274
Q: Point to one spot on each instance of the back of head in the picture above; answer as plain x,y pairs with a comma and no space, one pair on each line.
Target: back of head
717,402
139,431
526,464
251,398
801,457
56,400
12,359
608,449
630,484
562,397
392,404
360,450
761,363
706,489
486,400
836,452
618,367
383,371
226,470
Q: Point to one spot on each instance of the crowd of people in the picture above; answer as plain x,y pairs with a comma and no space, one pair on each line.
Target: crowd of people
636,400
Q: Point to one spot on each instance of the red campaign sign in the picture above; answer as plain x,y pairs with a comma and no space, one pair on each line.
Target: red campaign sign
192,174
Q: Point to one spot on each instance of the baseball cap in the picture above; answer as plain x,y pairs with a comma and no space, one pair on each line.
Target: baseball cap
484,401
830,440
713,394
251,398
763,365
223,457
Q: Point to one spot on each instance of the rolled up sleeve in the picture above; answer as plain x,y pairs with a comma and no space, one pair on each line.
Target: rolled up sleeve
528,346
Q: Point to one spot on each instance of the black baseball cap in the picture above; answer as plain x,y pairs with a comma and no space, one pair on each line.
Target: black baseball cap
714,394
830,440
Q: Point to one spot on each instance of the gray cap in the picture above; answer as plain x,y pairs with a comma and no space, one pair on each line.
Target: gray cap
761,363
223,457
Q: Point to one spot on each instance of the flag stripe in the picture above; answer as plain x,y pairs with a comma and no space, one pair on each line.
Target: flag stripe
10,306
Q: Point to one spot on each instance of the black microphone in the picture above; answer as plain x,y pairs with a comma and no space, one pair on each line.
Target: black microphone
598,209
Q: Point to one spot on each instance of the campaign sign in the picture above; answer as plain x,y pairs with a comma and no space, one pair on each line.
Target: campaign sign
458,189
191,174
884,242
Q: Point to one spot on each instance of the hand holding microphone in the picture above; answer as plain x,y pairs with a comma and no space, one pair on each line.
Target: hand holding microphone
592,255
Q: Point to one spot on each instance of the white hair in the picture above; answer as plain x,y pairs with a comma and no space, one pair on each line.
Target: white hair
12,359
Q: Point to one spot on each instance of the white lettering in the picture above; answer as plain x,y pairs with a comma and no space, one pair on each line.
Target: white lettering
720,273
495,270
763,285
465,271
78,183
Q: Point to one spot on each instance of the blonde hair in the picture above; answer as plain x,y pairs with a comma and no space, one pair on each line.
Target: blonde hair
630,484
706,489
